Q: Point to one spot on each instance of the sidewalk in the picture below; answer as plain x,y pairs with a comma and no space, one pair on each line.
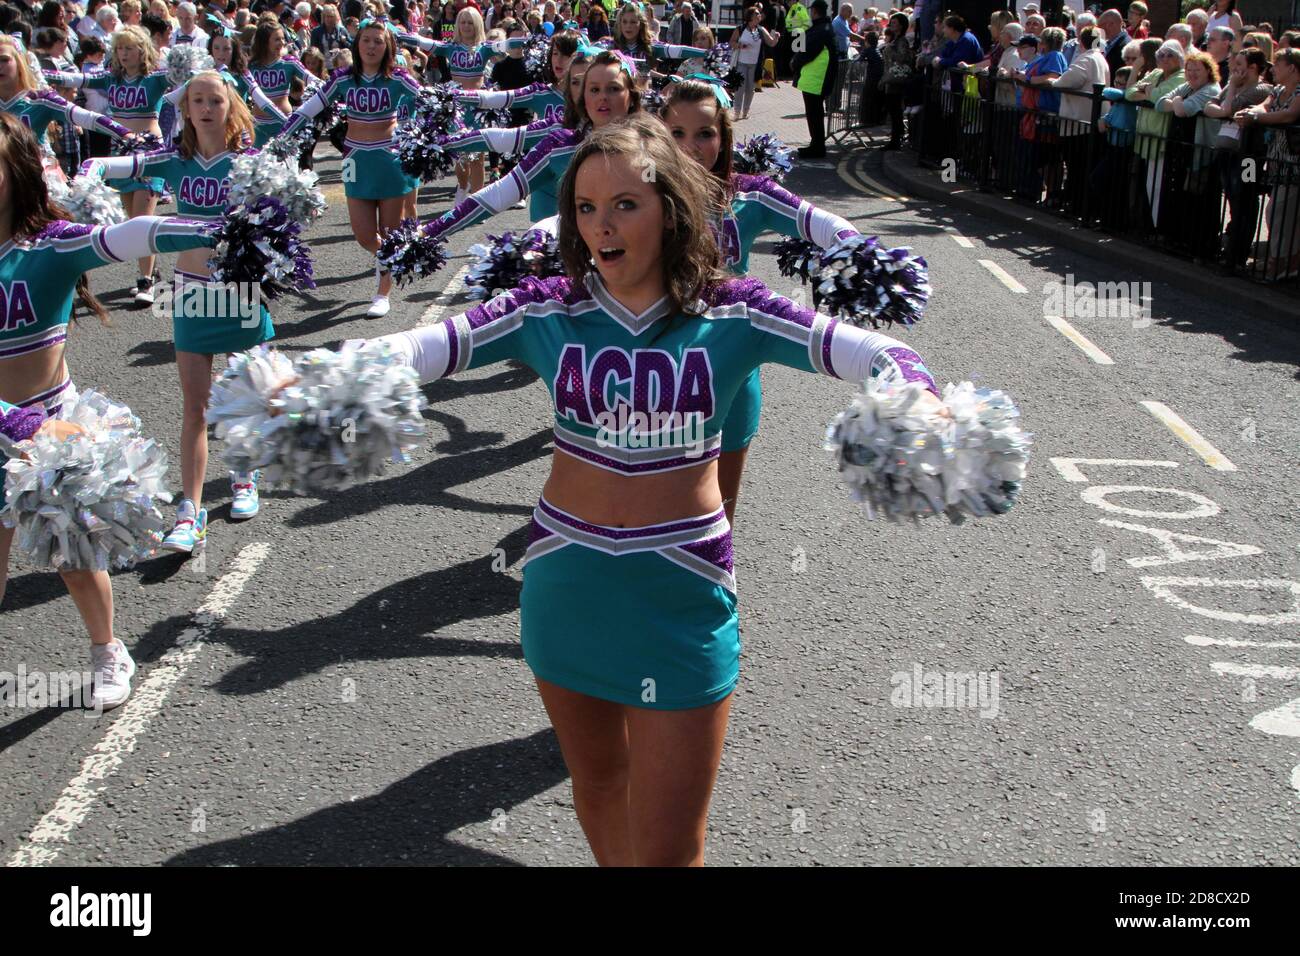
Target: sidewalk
901,169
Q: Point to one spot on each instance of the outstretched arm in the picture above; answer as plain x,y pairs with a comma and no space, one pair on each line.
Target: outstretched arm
510,141
500,195
311,107
789,215
89,247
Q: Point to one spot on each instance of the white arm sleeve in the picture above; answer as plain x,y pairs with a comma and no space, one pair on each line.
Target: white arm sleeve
859,354
425,349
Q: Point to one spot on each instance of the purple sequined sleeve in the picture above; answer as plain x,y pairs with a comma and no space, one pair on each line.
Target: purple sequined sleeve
20,424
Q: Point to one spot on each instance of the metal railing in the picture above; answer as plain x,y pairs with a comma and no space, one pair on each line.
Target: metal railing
1161,180
846,107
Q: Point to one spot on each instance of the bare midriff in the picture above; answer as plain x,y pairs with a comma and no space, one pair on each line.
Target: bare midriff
629,501
140,124
281,103
23,376
371,131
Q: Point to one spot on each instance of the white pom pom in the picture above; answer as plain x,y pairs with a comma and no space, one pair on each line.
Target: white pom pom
344,415
905,454
90,501
254,175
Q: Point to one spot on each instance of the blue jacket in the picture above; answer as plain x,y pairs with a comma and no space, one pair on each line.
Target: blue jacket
964,50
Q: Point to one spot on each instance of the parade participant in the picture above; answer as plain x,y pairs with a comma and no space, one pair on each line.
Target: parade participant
135,87
207,319
545,98
229,58
628,608
37,108
601,91
467,57
43,261
632,36
375,92
274,73
696,114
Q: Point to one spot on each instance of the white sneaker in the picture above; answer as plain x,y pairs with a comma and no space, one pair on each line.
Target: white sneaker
461,193
112,670
522,204
144,291
378,307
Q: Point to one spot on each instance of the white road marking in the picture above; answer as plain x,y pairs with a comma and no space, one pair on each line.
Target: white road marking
1003,276
1169,541
1272,671
1069,467
1185,432
1283,721
1097,495
439,305
1078,338
958,238
872,188
1163,587
1199,640
46,840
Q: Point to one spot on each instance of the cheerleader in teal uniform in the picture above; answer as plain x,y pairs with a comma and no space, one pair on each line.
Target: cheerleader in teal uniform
628,609
467,57
229,58
134,87
697,114
376,93
545,99
631,36
43,261
207,318
273,72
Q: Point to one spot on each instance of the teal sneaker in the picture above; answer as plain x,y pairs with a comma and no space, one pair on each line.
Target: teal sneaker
243,489
190,534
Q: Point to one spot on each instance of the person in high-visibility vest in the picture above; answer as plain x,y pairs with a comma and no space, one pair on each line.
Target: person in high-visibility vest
797,18
814,65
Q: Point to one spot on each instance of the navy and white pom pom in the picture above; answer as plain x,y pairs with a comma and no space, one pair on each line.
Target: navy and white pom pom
92,501
88,200
904,455
437,109
184,60
537,51
257,175
652,100
341,416
494,119
505,260
419,150
717,62
260,244
410,252
139,143
858,280
763,155
288,147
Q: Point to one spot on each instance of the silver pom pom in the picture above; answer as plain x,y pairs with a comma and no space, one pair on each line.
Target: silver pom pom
91,501
254,175
342,417
906,455
88,200
184,61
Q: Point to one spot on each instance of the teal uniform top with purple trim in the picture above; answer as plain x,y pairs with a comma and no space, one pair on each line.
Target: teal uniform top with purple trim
249,91
201,185
463,61
759,204
38,278
542,99
604,365
370,99
135,98
38,108
660,51
537,176
276,78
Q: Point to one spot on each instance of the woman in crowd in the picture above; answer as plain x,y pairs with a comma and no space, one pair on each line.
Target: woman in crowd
1279,114
749,40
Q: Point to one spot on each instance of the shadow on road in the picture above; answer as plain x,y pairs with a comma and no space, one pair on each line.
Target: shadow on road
409,823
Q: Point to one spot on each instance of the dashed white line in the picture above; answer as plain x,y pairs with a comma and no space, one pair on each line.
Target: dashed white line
1189,436
1084,344
1198,640
1003,276
1273,671
53,830
439,305
958,238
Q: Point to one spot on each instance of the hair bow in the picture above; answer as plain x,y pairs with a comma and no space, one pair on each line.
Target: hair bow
719,88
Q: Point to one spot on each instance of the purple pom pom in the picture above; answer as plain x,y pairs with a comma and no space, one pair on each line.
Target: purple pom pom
858,280
260,244
411,252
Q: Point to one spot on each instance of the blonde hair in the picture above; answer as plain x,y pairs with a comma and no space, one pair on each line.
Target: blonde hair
26,81
239,122
138,37
689,252
128,6
476,19
708,38
1261,40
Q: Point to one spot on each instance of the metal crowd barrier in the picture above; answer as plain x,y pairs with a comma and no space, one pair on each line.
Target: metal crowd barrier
1239,209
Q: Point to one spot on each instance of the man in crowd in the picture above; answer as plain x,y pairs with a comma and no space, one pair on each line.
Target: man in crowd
1112,26
188,32
1219,46
844,35
681,28
1198,20
1182,33
814,67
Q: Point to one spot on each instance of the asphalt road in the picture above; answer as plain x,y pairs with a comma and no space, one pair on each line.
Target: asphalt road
341,682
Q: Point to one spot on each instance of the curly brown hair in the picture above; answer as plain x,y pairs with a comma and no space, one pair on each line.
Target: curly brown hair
689,253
